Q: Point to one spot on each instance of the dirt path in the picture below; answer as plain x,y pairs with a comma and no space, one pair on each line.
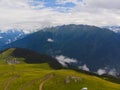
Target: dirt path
9,81
30,83
1,75
47,77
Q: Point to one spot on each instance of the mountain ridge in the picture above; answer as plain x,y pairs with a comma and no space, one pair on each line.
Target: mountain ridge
96,47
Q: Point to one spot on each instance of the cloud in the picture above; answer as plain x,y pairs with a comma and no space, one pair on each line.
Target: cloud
31,15
106,4
84,67
108,71
66,1
65,60
50,40
113,72
101,71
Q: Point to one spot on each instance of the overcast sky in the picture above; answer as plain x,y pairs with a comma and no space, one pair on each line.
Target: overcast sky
34,14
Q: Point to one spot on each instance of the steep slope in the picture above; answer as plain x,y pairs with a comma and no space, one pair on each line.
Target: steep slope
92,46
19,56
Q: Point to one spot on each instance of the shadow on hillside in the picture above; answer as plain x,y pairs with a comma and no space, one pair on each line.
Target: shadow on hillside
32,57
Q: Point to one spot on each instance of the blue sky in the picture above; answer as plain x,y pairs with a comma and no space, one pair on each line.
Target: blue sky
52,3
56,4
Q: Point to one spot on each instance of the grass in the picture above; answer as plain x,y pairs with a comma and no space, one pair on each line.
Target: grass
4,56
29,77
24,76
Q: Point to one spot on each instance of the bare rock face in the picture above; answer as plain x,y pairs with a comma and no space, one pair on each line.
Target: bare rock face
12,60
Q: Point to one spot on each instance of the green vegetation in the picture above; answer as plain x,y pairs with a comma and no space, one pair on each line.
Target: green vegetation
30,77
41,76
7,57
22,56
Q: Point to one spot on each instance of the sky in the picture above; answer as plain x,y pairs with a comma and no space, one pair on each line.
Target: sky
36,14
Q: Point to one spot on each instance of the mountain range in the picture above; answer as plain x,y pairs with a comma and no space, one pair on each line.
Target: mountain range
9,36
97,49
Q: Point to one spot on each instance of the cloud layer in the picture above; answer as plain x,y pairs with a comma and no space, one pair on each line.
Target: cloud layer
34,14
84,67
65,60
108,71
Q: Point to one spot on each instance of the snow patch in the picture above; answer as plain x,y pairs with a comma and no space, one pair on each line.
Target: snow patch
9,41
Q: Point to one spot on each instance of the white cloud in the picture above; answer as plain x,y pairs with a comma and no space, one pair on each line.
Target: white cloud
113,72
84,67
101,71
22,14
66,1
65,60
108,4
108,71
50,40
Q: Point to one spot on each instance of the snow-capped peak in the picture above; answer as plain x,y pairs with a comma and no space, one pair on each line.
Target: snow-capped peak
9,36
113,28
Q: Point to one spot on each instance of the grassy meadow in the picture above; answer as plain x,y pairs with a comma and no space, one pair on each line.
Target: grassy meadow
31,76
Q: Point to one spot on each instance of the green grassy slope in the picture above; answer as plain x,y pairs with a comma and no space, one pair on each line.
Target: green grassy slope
30,76
22,56
42,76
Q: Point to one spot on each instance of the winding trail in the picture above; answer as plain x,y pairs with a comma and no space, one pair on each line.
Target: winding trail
1,75
30,83
9,81
47,77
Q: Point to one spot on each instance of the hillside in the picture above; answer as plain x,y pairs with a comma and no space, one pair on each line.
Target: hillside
43,77
22,69
98,48
22,56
